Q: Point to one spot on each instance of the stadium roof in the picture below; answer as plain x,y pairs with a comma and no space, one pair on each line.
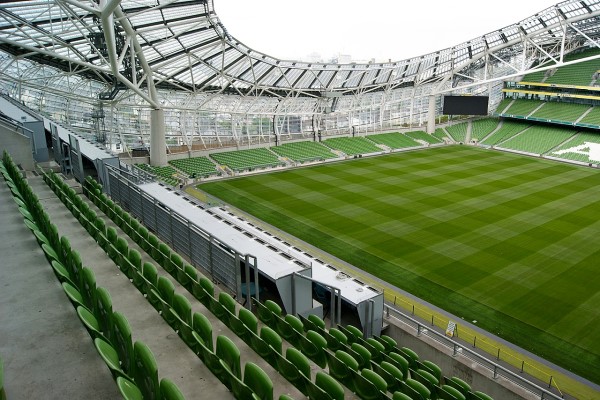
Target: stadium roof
182,45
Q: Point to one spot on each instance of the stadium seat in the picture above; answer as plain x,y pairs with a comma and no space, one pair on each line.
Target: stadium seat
325,387
229,356
392,375
313,346
110,357
129,390
121,340
169,390
145,373
342,366
258,381
369,385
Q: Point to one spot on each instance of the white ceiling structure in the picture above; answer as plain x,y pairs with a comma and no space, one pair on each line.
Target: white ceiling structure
122,59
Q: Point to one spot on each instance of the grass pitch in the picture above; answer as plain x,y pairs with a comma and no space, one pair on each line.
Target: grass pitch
510,241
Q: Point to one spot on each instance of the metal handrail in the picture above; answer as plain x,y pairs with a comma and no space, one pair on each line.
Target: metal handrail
496,369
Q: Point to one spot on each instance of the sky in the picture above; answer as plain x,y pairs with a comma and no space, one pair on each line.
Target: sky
368,29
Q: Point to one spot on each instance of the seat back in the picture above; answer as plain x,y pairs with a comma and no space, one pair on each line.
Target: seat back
145,373
166,289
332,387
227,301
294,356
88,287
169,390
258,381
121,338
248,319
103,311
203,328
183,308
230,354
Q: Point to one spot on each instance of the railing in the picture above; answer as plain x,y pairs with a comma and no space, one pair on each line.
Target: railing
463,349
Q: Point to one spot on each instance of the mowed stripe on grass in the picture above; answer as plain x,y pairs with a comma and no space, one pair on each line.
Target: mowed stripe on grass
506,240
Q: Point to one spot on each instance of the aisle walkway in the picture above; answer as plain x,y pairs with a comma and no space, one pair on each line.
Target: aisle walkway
45,348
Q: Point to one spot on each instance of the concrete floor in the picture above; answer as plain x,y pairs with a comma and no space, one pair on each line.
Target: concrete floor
46,350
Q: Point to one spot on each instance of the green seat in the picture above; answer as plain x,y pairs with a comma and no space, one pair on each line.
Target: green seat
204,290
50,253
427,379
401,396
258,381
143,241
264,313
317,321
370,385
244,325
110,357
342,366
129,390
361,354
180,316
227,309
460,385
103,311
187,276
413,387
88,287
163,257
411,356
111,241
325,387
229,354
290,371
203,328
376,349
398,361
285,329
263,344
336,339
481,396
62,273
169,390
162,297
150,274
355,332
91,323
313,346
73,294
121,340
392,375
388,342
145,372
447,392
176,264
135,263
433,369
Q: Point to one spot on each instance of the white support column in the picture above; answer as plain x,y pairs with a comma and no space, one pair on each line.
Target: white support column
431,115
158,143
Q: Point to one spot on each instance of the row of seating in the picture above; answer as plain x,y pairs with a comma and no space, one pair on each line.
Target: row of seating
508,129
195,167
165,174
394,140
197,331
423,136
132,364
538,139
240,160
581,141
352,146
303,151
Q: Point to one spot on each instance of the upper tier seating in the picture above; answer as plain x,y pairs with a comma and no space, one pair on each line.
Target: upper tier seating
165,174
522,107
592,118
555,111
538,139
580,74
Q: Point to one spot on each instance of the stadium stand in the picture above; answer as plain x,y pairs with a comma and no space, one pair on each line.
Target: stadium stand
458,132
440,134
166,174
592,118
503,104
394,140
560,112
483,127
195,167
537,139
522,107
580,74
303,151
583,147
507,130
250,159
352,146
420,135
